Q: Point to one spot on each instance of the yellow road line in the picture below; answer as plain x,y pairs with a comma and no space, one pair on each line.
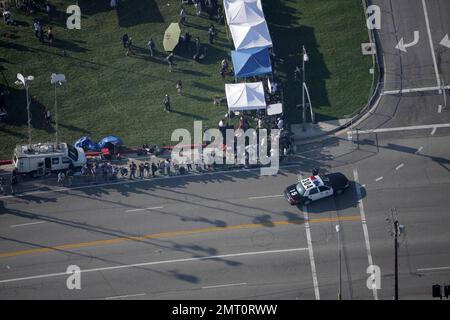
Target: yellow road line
171,234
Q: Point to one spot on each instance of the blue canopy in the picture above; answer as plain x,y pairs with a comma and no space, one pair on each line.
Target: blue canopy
110,139
87,144
251,62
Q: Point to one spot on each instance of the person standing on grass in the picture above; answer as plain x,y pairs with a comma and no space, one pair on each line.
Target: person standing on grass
183,16
113,4
170,61
197,45
198,7
48,7
41,33
125,39
211,34
37,28
151,46
219,15
180,87
50,36
224,65
166,103
48,117
129,47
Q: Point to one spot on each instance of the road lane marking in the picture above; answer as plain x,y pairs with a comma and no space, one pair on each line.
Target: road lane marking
144,209
419,150
433,131
170,234
379,179
26,224
420,127
364,225
439,108
264,197
126,296
127,181
152,263
226,285
311,254
434,269
399,166
413,90
433,55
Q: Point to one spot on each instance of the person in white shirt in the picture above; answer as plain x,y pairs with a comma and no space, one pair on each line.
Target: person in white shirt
280,123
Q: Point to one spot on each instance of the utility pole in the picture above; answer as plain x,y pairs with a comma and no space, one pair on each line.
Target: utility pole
21,80
396,233
395,229
304,59
57,79
340,263
56,120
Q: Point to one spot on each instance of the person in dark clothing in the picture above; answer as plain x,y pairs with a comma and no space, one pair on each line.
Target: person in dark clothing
211,34
141,170
151,47
48,116
125,39
133,168
154,169
220,19
129,47
183,16
50,36
14,181
179,87
197,45
166,103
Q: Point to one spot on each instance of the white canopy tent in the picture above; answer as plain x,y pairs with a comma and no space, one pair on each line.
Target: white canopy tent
228,3
243,11
248,36
245,96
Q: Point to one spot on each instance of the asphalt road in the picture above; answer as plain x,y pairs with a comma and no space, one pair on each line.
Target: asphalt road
232,236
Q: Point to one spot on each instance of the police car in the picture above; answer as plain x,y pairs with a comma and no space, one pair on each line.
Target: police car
316,187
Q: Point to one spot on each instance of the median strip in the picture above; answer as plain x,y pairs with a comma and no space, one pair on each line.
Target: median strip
170,234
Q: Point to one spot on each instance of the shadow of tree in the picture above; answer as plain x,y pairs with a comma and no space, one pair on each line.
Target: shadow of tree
134,12
284,28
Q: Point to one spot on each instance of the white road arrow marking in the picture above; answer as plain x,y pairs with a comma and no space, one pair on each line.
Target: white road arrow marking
402,46
445,42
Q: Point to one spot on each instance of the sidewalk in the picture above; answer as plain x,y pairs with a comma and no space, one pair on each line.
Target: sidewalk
50,182
318,130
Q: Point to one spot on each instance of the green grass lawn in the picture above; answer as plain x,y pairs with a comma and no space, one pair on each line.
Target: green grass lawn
110,93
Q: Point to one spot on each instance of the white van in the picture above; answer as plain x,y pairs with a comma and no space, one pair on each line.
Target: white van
43,158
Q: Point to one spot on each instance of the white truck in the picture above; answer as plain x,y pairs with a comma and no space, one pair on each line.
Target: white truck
43,158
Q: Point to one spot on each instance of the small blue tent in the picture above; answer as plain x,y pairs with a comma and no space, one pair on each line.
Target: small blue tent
87,144
251,62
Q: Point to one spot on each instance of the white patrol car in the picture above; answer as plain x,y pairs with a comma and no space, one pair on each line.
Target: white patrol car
316,187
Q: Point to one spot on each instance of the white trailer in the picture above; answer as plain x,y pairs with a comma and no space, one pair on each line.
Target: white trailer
43,158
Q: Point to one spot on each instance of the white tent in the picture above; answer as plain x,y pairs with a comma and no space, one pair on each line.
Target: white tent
239,12
245,96
247,36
